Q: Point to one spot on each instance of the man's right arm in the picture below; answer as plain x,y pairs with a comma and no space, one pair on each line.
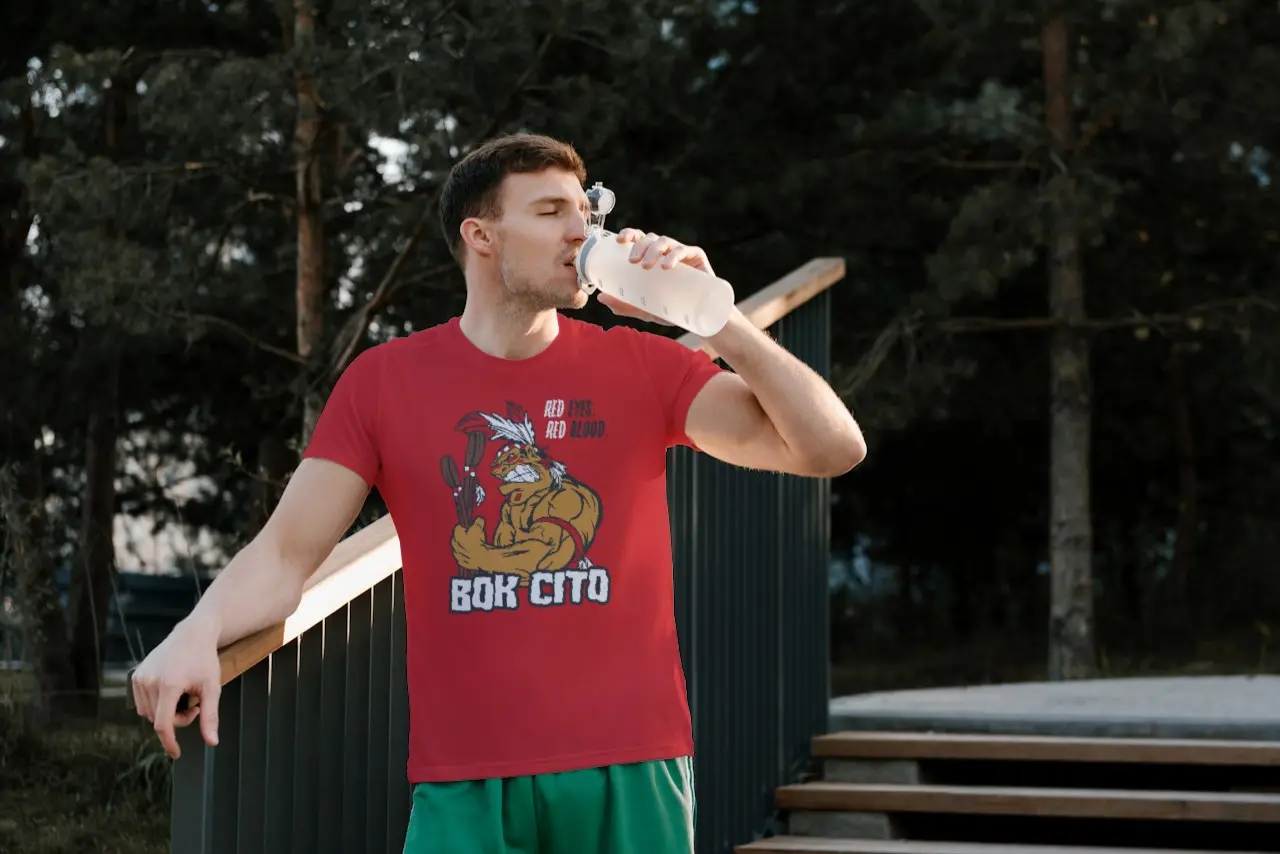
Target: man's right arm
260,587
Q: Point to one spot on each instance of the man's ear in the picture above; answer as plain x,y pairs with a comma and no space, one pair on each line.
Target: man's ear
477,235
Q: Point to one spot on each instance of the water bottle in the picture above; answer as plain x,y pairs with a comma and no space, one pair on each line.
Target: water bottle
691,299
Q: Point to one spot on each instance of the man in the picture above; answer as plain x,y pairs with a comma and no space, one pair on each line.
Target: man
522,457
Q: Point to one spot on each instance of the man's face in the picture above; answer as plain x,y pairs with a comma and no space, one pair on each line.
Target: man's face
543,224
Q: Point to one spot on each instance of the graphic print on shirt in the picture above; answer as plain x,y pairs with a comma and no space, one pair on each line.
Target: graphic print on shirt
546,522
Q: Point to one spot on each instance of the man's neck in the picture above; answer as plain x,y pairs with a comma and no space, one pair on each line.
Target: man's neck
507,331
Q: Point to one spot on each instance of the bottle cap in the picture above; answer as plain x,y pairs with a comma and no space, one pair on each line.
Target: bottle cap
601,199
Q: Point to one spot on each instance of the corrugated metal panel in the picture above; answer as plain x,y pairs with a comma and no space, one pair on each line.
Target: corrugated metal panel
312,744
751,555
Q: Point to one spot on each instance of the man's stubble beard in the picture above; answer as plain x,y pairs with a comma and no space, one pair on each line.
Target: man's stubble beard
528,297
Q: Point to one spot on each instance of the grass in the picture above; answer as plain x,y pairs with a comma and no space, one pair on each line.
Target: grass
82,788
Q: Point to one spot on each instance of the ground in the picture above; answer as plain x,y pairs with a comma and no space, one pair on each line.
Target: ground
95,787
1232,707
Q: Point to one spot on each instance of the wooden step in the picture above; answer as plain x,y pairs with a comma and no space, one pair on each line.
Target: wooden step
820,845
895,745
1067,803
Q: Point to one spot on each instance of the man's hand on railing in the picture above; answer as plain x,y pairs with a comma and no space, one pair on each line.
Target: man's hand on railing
184,667
261,586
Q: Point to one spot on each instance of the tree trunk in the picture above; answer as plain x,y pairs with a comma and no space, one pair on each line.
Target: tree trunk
1132,586
24,550
91,594
1184,551
962,602
97,545
274,465
1071,643
906,602
44,628
309,179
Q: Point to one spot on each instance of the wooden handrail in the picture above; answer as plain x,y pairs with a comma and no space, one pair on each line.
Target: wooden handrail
770,304
361,561
354,566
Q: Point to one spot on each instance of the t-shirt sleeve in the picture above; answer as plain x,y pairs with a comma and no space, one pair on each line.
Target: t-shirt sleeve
677,373
346,432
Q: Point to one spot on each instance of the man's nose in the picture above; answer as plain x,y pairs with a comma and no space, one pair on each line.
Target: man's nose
577,228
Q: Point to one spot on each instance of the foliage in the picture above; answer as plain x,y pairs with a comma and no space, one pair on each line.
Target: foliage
82,789
907,138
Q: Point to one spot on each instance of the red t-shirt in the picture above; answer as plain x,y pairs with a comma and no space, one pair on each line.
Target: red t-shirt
542,636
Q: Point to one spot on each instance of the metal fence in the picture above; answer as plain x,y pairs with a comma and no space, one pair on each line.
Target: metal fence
312,744
313,740
751,557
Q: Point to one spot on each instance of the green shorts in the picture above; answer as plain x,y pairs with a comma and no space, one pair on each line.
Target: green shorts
620,809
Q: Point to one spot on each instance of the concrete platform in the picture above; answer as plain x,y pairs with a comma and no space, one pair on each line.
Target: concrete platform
1222,707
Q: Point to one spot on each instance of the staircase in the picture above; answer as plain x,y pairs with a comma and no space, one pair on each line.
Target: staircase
934,793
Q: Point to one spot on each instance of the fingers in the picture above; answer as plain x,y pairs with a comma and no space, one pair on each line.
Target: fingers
202,703
185,717
644,241
208,711
651,249
142,698
166,705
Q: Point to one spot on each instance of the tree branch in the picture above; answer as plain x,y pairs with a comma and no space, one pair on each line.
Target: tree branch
237,331
904,327
354,330
983,165
931,157
962,325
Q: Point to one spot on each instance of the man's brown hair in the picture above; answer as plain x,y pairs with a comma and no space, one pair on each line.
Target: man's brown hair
474,183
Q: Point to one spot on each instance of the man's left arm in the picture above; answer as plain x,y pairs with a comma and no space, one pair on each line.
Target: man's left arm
775,413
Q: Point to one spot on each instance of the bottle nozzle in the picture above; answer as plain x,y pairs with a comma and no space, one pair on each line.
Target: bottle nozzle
601,199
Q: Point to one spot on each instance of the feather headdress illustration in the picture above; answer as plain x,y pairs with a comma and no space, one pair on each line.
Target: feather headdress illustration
547,520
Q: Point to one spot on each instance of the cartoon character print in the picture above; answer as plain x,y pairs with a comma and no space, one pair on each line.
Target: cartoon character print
547,520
